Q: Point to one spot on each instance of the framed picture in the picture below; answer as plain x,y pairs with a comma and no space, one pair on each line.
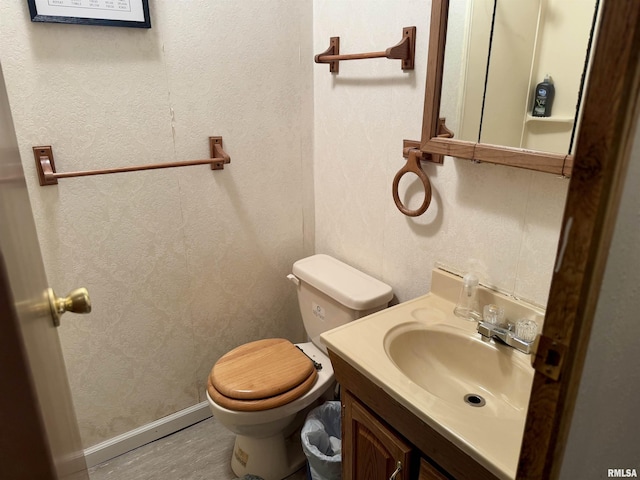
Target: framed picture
114,13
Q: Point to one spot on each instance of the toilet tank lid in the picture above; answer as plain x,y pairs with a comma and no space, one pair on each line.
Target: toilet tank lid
347,285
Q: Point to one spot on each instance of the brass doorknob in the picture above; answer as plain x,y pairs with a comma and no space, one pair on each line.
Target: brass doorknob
76,301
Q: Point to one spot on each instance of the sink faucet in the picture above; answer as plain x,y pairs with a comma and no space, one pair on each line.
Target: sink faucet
488,331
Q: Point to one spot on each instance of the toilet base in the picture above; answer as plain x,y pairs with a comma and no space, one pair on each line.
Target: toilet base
272,458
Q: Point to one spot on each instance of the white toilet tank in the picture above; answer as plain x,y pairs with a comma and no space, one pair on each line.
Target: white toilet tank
332,293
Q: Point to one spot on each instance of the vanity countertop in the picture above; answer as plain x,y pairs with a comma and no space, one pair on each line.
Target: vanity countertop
490,435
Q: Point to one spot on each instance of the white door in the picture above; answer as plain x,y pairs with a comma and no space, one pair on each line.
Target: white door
39,437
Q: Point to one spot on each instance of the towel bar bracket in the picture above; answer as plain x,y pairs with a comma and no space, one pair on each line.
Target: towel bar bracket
218,155
45,165
334,49
406,49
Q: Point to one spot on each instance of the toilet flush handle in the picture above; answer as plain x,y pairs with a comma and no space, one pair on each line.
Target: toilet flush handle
294,279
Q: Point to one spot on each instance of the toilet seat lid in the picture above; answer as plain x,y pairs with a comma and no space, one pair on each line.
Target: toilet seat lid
261,369
264,403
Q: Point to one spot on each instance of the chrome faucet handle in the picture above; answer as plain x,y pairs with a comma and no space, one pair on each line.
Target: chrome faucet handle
493,314
526,329
519,344
489,331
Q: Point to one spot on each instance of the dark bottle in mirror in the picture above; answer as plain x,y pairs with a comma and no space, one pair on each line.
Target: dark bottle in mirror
543,100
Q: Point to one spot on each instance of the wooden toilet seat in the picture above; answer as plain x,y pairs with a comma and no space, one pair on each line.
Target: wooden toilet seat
261,375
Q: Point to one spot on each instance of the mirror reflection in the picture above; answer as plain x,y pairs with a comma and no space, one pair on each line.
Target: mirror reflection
521,66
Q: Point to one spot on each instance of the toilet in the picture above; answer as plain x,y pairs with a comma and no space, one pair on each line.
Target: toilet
263,390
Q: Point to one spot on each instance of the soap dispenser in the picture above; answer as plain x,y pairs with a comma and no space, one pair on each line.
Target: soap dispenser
468,306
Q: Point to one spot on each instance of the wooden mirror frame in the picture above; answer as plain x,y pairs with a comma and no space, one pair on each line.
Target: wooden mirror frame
437,145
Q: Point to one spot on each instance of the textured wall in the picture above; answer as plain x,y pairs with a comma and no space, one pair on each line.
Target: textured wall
182,264
501,221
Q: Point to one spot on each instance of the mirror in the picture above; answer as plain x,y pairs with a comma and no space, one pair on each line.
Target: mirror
509,47
498,51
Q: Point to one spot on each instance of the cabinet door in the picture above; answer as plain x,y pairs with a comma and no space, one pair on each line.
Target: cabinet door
429,472
370,450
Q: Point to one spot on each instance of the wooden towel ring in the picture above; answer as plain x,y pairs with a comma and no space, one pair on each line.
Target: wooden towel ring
412,166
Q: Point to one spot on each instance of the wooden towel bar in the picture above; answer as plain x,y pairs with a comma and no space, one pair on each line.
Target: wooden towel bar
47,174
405,51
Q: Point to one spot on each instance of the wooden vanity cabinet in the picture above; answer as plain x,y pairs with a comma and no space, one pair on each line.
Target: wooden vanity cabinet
377,432
376,450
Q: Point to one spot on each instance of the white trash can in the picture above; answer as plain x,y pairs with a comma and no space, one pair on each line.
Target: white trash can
321,437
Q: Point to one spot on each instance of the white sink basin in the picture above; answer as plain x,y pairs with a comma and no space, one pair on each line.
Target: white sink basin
457,366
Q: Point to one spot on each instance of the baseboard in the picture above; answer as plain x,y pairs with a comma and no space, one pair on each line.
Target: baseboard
147,433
